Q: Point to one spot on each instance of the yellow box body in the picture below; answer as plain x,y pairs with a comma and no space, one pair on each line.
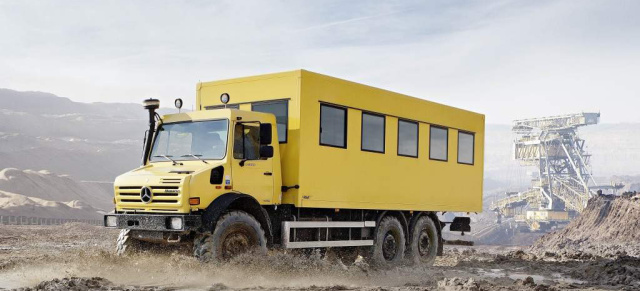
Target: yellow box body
350,178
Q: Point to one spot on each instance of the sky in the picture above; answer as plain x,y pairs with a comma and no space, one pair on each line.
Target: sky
505,59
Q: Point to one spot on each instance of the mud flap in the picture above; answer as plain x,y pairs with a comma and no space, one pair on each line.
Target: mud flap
462,224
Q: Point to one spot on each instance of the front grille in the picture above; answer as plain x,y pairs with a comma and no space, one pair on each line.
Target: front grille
160,194
171,180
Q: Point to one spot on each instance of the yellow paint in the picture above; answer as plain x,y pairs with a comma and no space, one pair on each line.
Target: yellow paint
350,178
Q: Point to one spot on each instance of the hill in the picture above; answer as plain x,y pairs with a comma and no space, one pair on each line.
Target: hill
51,187
12,204
89,141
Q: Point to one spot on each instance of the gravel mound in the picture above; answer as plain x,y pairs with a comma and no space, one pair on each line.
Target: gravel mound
608,227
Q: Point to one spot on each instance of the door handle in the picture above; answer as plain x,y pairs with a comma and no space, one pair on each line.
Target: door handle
268,173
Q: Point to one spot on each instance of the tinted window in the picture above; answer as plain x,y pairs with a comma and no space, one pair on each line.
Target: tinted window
407,138
372,132
438,143
246,141
333,126
279,109
465,148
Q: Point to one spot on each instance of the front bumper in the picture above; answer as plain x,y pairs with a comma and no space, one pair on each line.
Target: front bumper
153,222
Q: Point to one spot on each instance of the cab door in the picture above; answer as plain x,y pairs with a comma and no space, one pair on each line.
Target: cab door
251,174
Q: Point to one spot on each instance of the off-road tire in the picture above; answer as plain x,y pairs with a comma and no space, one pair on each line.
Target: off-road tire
423,246
126,244
389,244
236,232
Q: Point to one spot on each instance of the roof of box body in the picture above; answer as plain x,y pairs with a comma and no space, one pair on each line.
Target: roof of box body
301,73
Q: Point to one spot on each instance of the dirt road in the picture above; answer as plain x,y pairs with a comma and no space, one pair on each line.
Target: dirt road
80,256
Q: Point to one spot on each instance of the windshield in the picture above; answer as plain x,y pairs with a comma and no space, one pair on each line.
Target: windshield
206,140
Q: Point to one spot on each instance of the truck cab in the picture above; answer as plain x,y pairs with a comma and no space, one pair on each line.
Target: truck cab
196,157
191,160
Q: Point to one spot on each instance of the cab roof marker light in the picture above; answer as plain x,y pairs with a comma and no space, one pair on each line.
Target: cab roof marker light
224,98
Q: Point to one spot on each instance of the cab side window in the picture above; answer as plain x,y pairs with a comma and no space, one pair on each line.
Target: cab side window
246,141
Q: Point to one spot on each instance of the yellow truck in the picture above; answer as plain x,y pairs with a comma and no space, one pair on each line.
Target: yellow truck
302,160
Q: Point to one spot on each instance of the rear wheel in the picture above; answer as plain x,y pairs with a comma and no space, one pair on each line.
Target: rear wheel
389,243
423,246
236,232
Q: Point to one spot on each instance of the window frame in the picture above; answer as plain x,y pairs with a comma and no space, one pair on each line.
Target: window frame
446,159
156,132
286,103
417,138
346,123
233,150
384,131
473,147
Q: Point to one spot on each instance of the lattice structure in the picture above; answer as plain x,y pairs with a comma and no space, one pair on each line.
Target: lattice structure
552,145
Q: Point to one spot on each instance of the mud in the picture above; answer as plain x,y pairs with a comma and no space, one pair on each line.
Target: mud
608,227
80,257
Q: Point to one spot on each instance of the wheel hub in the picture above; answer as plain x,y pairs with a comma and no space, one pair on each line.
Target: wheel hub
235,244
389,247
423,243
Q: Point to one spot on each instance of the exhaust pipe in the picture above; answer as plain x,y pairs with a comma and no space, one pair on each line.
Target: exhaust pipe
151,105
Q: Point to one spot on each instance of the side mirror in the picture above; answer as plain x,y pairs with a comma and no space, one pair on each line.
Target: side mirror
266,151
265,134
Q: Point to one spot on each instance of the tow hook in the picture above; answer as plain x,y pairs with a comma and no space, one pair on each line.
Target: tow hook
173,238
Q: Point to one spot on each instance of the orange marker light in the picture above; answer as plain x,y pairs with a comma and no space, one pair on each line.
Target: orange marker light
228,187
194,201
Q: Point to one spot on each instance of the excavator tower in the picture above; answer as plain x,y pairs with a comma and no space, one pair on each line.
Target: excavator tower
563,184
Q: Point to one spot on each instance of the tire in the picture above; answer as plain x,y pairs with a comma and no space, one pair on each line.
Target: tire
389,244
235,233
126,244
423,247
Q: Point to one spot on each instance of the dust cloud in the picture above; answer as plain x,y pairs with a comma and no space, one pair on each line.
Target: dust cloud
80,257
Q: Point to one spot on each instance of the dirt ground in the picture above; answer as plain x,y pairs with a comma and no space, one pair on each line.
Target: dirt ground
80,257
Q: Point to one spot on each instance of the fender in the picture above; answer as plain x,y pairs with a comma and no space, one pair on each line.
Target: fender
237,201
399,216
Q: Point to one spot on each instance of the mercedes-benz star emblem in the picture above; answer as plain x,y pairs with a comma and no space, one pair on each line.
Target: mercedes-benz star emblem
145,194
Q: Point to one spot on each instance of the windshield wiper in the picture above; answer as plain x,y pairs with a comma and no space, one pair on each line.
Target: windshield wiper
195,156
168,158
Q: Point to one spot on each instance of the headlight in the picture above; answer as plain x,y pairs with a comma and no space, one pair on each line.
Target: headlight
111,221
176,223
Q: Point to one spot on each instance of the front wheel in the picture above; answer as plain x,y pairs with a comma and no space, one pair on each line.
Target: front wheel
423,246
236,232
126,244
